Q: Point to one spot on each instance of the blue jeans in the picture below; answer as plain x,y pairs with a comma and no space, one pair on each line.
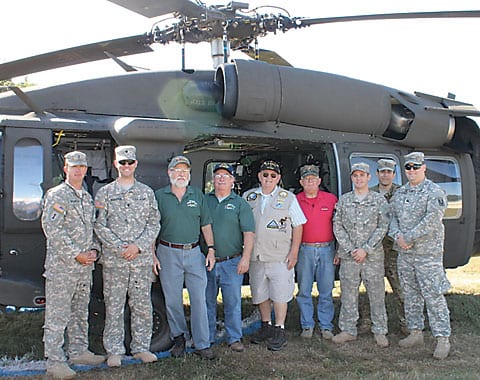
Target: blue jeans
178,266
224,275
316,264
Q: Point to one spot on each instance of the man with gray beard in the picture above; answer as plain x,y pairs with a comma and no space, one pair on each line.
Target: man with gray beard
184,215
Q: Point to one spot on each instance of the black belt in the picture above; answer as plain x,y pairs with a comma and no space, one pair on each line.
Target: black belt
220,259
318,245
179,246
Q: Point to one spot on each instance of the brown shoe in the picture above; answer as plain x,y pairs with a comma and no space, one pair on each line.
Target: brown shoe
145,357
381,340
114,360
442,349
87,358
60,370
414,339
206,353
343,337
237,346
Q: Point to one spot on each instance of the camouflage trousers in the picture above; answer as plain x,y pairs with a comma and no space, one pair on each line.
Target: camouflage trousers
391,273
118,282
424,281
351,275
68,296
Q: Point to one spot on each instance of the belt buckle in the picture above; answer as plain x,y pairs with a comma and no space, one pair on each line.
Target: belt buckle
187,246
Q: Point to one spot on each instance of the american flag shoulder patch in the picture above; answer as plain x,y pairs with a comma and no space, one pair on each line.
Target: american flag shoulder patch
58,208
99,205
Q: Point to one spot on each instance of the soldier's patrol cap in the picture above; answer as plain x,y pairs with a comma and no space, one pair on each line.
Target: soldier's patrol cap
385,164
179,160
307,170
362,166
271,165
76,158
224,166
415,158
125,152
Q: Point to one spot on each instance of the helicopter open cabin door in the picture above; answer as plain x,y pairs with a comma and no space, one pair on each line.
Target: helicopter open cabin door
26,176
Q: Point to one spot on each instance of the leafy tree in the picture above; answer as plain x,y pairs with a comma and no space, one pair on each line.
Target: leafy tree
5,83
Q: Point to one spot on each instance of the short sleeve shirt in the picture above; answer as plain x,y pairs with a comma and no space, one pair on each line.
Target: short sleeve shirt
231,218
180,221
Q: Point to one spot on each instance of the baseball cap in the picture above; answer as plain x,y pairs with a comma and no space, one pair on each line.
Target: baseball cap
76,158
307,170
362,166
125,152
225,166
385,164
179,160
415,158
270,165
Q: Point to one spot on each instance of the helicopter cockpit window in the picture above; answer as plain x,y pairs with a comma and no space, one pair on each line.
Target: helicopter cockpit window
371,160
27,179
445,172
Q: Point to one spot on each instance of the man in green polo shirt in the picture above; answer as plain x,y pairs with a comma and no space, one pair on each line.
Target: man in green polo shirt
184,215
233,228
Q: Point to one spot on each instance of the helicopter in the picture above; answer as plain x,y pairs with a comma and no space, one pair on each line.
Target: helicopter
242,112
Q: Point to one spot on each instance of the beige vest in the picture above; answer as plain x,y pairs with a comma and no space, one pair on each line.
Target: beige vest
273,228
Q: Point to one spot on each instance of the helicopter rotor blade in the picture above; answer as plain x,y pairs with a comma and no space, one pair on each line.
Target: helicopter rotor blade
154,8
72,56
388,16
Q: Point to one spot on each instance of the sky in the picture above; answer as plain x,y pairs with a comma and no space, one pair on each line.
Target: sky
430,56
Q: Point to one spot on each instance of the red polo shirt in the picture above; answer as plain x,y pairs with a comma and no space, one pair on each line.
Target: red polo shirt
319,213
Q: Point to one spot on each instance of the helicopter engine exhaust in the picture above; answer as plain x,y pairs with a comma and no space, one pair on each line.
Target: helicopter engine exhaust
256,91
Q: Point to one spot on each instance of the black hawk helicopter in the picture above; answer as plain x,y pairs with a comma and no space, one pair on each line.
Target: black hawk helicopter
242,112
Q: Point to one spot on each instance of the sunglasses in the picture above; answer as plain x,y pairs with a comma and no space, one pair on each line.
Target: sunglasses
266,175
413,167
126,162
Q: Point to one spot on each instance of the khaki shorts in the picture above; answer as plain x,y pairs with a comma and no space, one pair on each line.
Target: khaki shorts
271,281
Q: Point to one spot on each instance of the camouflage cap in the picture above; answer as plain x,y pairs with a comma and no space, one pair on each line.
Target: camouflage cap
270,165
307,170
386,164
179,160
415,158
76,158
125,152
224,166
362,166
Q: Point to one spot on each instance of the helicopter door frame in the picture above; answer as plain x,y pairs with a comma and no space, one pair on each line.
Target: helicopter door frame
26,171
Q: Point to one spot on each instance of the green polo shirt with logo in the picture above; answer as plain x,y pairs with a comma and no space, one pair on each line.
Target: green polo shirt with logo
231,218
180,222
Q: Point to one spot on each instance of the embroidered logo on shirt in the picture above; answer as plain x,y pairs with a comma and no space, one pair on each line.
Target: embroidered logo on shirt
229,206
252,196
192,203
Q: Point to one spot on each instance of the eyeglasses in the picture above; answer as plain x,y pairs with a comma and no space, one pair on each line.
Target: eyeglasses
266,175
181,171
126,162
222,176
413,167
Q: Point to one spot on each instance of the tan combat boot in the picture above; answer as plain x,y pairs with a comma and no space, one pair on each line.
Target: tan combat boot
381,340
145,357
343,337
414,339
442,349
61,370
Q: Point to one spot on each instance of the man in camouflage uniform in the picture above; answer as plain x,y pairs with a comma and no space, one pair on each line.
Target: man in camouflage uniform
67,221
127,226
386,186
417,211
360,223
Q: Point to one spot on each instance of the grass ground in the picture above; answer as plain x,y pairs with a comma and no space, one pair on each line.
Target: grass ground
20,335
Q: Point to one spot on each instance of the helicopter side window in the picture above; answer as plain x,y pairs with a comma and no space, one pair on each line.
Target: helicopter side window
27,179
371,160
445,172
